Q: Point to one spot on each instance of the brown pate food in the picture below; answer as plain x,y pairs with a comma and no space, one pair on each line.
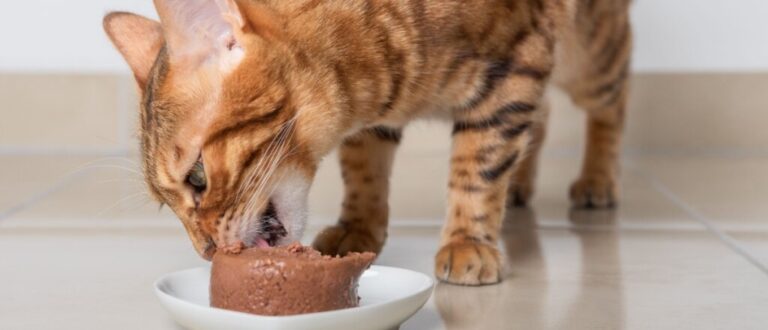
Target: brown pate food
286,280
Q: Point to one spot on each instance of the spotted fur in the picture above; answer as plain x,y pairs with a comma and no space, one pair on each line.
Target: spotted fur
292,80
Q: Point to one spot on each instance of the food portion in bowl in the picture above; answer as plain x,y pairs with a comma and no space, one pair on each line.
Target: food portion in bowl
286,280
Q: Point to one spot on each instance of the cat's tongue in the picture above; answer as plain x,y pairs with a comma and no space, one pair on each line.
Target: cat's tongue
238,247
262,243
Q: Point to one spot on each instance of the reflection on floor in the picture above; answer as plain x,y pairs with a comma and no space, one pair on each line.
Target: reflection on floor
686,250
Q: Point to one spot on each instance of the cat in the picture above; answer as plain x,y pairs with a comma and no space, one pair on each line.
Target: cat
241,99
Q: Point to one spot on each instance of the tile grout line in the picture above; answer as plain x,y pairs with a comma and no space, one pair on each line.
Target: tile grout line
729,241
124,147
401,224
43,194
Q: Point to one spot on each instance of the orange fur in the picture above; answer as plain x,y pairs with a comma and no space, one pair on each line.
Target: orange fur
285,82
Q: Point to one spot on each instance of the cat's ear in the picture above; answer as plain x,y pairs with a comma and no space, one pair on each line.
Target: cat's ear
138,39
197,30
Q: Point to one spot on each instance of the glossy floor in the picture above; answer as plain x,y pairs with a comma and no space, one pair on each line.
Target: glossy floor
688,248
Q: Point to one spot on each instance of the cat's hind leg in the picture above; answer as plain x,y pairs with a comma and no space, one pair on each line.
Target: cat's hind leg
600,85
522,184
366,163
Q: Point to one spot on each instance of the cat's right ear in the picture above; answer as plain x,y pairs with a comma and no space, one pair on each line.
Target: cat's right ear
138,39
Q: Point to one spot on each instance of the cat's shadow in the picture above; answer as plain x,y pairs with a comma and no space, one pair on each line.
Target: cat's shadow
538,291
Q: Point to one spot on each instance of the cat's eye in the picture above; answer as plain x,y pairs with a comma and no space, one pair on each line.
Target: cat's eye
196,177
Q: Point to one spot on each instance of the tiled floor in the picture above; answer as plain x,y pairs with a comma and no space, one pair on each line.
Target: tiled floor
688,248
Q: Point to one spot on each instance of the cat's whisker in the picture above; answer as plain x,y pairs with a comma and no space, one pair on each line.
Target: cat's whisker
250,214
252,192
123,200
131,180
271,154
116,167
256,169
279,154
86,167
105,160
277,157
246,184
249,193
262,203
123,159
262,183
275,161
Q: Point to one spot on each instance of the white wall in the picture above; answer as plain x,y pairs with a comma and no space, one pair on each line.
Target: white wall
60,35
701,35
672,35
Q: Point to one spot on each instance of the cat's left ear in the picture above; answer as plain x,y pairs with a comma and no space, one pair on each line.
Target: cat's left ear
198,30
138,39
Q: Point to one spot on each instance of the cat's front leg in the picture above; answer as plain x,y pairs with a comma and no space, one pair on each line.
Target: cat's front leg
491,138
481,168
366,163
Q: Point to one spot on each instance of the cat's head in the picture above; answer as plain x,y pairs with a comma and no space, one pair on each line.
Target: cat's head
232,127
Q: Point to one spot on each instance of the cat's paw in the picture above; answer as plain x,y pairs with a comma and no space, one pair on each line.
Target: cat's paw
339,240
468,262
594,192
519,194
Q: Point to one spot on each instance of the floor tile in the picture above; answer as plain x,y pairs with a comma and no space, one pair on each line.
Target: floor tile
112,192
93,251
728,192
54,279
575,278
596,279
755,244
640,206
425,177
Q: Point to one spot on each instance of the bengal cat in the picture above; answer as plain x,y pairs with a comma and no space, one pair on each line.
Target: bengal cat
241,99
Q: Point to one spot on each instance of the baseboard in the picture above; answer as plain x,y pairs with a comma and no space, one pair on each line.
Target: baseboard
668,112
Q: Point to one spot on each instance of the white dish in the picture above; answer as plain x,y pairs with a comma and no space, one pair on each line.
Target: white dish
388,297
